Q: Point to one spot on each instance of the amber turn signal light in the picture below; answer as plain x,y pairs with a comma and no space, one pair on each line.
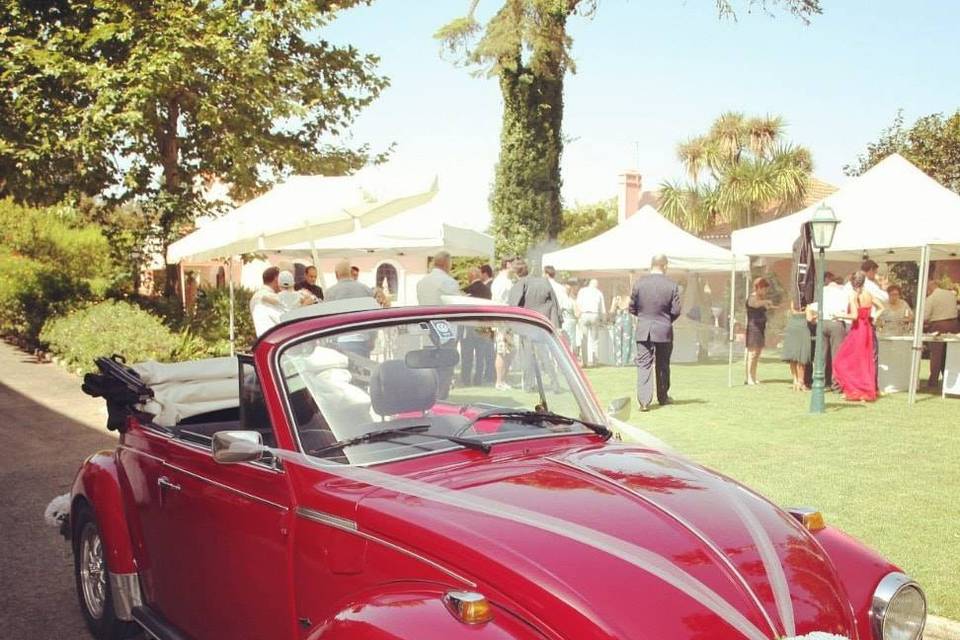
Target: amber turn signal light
811,519
469,607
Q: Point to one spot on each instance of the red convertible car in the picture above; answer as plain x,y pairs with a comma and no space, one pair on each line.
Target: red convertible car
357,484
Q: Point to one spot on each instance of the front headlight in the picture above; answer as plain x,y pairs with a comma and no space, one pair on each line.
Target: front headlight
899,609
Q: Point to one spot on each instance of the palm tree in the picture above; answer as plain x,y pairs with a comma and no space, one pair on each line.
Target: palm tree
738,171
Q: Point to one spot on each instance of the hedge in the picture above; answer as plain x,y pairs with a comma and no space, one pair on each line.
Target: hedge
106,328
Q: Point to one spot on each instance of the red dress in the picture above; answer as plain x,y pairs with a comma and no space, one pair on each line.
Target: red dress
853,366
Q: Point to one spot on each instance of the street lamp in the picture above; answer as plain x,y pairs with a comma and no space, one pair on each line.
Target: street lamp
822,226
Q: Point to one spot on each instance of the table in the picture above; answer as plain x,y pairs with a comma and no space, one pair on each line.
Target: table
894,362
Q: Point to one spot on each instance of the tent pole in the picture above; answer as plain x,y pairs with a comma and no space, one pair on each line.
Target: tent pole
183,285
922,281
233,330
730,333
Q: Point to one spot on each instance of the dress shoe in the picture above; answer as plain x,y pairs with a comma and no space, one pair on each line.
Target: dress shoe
665,401
644,408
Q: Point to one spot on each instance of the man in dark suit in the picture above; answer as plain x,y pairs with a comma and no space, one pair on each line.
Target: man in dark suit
656,303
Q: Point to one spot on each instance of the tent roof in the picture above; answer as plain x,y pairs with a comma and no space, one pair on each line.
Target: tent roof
321,205
631,245
888,212
420,230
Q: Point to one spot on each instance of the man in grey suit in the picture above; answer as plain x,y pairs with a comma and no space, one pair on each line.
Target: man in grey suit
656,303
534,292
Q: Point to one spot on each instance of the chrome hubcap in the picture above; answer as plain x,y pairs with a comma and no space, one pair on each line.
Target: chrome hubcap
93,574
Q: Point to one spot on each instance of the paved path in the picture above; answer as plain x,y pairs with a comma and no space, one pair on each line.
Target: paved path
47,427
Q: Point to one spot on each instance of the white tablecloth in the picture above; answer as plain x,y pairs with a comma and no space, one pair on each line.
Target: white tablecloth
951,372
894,365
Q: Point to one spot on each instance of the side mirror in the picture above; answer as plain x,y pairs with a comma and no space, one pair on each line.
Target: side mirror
237,446
619,408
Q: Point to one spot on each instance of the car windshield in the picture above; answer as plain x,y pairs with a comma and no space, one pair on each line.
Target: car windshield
364,396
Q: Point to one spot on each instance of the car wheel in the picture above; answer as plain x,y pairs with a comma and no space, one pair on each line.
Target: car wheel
93,583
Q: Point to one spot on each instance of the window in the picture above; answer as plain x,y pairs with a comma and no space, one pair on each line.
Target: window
387,279
349,384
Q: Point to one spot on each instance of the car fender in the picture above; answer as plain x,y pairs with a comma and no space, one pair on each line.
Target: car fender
860,570
98,484
402,611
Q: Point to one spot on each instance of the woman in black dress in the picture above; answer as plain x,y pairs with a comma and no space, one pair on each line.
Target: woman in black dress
757,307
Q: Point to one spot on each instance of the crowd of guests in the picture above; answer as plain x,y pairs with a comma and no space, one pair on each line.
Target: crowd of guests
857,310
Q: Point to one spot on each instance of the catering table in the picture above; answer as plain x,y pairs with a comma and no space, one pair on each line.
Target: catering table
894,362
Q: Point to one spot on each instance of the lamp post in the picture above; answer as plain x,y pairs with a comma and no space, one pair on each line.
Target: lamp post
822,225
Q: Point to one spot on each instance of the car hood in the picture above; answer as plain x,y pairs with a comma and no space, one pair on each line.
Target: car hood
616,541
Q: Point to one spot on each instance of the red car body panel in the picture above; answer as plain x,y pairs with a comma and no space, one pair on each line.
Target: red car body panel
248,551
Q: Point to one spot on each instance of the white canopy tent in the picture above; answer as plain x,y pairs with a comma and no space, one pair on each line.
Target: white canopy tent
302,207
894,212
420,230
631,245
309,207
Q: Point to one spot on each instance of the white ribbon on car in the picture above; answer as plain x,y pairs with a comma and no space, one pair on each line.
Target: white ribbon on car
642,558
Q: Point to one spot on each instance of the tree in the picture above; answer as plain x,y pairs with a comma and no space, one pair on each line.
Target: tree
738,170
525,45
932,143
163,94
585,221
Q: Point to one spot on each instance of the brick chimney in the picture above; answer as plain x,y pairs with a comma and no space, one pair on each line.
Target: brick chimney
629,198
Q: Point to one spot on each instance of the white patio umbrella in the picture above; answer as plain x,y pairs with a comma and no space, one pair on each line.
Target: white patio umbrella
302,208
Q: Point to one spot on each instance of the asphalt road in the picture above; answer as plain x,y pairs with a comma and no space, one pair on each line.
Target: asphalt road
47,427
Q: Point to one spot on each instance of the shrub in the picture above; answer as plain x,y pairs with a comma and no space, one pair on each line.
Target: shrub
31,292
210,319
106,328
55,236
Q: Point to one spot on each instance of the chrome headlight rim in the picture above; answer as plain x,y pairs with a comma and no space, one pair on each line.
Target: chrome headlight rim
886,592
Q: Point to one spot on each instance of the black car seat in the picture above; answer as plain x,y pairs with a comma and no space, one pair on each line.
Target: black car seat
395,388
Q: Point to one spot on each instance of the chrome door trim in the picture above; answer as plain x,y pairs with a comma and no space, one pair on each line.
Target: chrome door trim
350,526
228,488
326,518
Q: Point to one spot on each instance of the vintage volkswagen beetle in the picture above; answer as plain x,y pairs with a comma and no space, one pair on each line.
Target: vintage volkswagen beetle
363,488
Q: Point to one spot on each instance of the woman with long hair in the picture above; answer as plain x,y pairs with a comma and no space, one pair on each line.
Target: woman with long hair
757,307
853,365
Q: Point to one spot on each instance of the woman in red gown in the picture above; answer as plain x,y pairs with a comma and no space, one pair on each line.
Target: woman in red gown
853,366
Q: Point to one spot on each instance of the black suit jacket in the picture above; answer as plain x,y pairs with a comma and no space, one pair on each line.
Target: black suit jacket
656,303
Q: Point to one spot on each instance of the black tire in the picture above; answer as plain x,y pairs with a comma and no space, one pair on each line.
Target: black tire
96,599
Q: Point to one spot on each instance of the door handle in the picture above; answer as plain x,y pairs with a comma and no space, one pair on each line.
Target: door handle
164,483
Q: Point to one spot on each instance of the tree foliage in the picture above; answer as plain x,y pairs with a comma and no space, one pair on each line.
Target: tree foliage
740,169
932,143
585,221
525,45
145,99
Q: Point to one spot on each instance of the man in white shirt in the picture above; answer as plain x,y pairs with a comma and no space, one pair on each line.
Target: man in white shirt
836,301
430,291
265,304
939,315
437,283
501,285
591,304
564,302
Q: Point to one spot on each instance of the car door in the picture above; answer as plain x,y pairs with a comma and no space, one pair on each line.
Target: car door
218,541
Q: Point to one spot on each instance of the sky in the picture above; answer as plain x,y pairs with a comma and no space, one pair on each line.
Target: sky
651,73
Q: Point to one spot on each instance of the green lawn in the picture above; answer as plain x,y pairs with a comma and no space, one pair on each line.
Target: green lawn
884,472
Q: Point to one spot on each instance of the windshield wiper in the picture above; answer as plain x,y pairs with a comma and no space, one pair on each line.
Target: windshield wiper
412,430
536,418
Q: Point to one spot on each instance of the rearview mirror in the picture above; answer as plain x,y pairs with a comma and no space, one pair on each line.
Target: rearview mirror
230,447
432,359
619,408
